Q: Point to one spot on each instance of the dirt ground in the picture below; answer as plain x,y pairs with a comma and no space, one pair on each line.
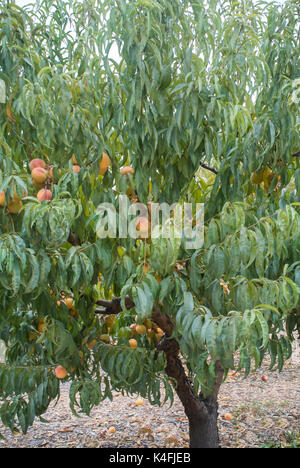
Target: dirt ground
262,411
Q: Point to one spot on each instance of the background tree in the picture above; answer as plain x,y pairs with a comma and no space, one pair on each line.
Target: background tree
172,89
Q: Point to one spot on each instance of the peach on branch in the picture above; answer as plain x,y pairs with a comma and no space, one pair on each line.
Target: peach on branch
39,175
76,168
37,163
14,206
61,372
44,195
133,343
141,329
70,303
74,160
104,163
2,198
127,170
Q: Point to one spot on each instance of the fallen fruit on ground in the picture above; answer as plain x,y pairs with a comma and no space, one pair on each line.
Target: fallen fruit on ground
112,430
264,378
61,372
139,402
228,417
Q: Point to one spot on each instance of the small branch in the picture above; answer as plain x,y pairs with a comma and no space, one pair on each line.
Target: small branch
113,306
208,168
296,155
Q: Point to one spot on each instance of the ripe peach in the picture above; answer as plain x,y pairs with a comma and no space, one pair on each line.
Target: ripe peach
39,175
104,163
76,169
133,343
14,206
70,303
2,198
140,329
37,163
264,378
74,160
61,372
112,430
228,417
139,402
44,195
127,170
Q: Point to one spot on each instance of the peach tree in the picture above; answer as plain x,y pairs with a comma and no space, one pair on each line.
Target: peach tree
161,101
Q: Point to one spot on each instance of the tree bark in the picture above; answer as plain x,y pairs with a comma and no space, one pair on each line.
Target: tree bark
203,427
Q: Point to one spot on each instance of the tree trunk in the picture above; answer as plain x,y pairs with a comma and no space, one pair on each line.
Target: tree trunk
202,412
203,428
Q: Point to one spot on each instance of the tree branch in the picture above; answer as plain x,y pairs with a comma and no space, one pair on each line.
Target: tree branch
296,155
211,169
174,369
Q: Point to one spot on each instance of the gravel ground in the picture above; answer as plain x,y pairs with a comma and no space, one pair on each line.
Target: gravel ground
261,411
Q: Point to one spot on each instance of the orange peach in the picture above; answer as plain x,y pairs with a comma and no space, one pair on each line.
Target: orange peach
61,372
104,163
37,163
44,195
2,198
76,168
127,170
133,343
39,175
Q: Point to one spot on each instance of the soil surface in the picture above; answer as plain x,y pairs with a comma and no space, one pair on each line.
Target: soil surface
262,411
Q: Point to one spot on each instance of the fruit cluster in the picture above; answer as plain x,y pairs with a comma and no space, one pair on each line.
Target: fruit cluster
42,176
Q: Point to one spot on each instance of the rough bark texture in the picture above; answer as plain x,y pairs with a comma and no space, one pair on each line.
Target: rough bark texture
202,413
